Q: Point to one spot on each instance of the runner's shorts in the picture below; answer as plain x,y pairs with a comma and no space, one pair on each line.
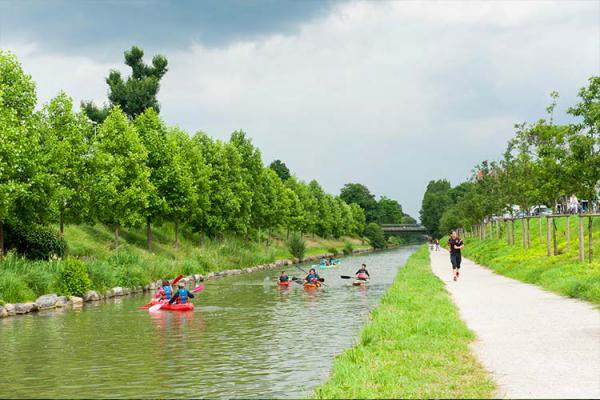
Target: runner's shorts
455,259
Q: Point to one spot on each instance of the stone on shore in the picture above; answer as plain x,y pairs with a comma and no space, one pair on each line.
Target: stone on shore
46,301
24,308
3,312
10,309
91,295
76,301
117,291
62,301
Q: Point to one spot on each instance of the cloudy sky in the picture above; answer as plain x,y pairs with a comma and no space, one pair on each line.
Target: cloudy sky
388,94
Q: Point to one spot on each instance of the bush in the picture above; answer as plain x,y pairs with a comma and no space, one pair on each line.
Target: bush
297,246
348,248
74,278
13,289
130,276
375,235
34,241
333,251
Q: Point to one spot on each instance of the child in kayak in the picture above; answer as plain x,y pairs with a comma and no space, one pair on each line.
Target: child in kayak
181,295
362,274
283,277
312,276
165,292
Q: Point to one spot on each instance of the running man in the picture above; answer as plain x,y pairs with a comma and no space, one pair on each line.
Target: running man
455,245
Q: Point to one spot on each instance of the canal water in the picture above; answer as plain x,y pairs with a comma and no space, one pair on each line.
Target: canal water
247,338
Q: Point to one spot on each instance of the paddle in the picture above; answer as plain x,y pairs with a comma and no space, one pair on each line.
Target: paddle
198,289
156,307
177,280
352,277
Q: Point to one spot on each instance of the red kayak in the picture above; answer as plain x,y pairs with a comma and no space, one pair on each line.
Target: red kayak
284,284
170,307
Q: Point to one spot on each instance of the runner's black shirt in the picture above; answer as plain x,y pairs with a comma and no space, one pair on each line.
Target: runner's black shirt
454,242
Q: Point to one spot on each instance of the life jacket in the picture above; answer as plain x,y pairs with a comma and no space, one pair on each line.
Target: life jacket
312,277
284,278
168,291
183,296
323,262
361,275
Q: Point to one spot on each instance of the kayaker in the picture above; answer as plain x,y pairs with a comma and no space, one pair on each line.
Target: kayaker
362,273
181,295
312,276
324,262
165,291
283,277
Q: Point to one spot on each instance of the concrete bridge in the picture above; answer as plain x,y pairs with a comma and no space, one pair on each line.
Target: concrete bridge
403,228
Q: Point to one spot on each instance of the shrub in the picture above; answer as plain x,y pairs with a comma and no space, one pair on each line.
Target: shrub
131,276
297,246
333,251
13,289
74,278
348,248
102,275
375,235
34,241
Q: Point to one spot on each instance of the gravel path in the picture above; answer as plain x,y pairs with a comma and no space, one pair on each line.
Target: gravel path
535,344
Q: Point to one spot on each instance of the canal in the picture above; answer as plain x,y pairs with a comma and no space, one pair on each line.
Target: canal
247,338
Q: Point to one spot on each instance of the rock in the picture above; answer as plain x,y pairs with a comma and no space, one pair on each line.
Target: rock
249,270
46,301
10,309
125,291
62,301
198,278
109,294
91,295
234,272
117,291
146,288
76,301
3,312
24,308
210,275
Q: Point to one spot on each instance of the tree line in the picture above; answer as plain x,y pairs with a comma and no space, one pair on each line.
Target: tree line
121,165
543,164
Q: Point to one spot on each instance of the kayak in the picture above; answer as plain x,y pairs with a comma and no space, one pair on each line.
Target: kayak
284,284
311,285
333,265
359,282
170,307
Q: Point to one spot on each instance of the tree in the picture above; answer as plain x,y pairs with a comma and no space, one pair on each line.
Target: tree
355,193
407,219
280,169
120,179
359,220
389,211
135,94
435,201
66,148
374,233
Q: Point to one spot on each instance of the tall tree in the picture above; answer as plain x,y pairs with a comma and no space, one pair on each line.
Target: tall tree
435,201
280,169
389,211
137,92
361,195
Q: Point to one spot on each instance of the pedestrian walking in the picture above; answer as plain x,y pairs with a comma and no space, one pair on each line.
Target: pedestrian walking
455,245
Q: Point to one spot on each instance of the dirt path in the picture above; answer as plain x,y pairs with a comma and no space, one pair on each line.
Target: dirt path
535,344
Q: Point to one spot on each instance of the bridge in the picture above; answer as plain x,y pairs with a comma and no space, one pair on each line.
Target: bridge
403,228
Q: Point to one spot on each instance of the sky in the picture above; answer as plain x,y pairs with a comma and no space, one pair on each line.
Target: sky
387,94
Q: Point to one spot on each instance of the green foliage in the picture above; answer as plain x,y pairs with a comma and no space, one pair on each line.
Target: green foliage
414,346
280,169
34,242
374,233
355,193
74,278
14,289
389,211
297,246
348,248
333,250
435,201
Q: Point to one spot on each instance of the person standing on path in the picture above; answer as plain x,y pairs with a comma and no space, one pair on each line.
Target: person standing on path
455,245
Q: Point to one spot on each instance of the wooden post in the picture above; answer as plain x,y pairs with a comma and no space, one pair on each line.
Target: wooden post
540,223
484,230
507,231
498,230
590,232
554,250
512,231
524,236
548,237
581,243
528,235
568,233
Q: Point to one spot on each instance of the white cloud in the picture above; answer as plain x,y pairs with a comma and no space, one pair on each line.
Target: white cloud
390,94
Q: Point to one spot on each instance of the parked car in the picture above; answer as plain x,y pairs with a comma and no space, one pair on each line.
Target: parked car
540,210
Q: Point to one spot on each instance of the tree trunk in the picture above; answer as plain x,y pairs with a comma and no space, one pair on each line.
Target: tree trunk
523,234
548,252
497,229
148,234
581,243
62,221
568,234
117,234
555,251
528,234
287,235
177,234
590,232
512,231
507,225
1,239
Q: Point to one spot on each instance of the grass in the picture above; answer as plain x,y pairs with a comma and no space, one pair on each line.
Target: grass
562,274
414,346
132,264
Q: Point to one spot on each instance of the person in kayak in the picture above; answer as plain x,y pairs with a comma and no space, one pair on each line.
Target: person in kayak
283,277
165,292
181,295
324,262
362,274
312,276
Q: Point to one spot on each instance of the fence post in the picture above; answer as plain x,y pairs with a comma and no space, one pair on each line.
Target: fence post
498,229
507,225
548,236
512,231
555,251
581,243
528,235
590,232
524,238
568,232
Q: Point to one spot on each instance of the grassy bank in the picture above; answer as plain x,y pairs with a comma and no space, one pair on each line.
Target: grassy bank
414,346
133,265
563,273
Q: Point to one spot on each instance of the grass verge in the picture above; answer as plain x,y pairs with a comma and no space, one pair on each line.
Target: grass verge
414,346
562,274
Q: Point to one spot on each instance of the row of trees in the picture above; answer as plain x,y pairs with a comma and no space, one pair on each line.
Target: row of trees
382,211
543,164
132,169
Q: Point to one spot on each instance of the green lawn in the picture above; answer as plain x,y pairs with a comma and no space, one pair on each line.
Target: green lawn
414,346
563,273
